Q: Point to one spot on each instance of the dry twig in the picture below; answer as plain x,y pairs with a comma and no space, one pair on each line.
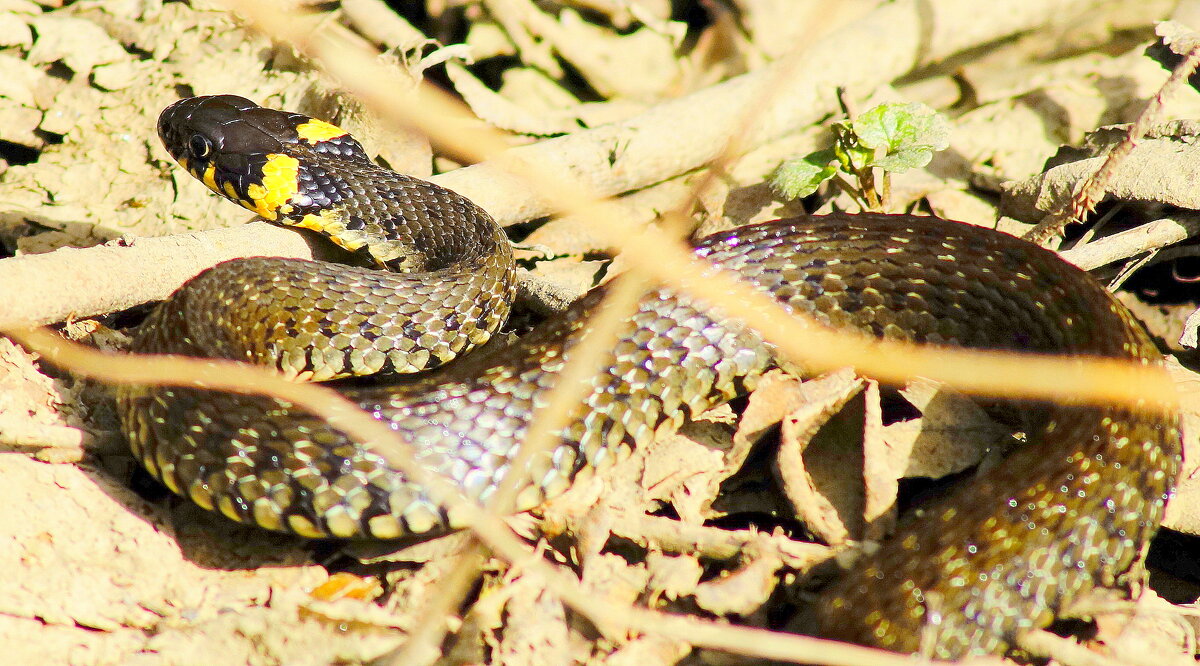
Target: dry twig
1093,189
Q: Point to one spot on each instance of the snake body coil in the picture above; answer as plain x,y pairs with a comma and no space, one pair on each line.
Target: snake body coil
1068,512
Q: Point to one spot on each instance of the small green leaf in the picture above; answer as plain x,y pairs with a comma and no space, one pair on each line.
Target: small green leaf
850,155
799,178
905,159
906,134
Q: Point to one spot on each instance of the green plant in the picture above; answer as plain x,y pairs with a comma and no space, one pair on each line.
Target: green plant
890,137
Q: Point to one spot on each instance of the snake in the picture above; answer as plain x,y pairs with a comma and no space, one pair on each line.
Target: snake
1069,512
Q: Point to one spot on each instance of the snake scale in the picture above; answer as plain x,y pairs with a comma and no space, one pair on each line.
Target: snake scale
1069,511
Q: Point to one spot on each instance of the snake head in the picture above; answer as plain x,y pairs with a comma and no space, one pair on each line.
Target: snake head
249,154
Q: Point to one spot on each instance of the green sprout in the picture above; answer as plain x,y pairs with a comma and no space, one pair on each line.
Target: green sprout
890,137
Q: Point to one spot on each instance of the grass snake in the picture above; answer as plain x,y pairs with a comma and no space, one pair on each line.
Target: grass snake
1068,512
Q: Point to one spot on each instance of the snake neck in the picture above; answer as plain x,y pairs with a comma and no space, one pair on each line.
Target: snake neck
402,223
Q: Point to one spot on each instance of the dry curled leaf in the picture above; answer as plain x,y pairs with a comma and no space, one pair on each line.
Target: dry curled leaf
743,591
544,641
1183,512
687,469
672,577
952,433
819,462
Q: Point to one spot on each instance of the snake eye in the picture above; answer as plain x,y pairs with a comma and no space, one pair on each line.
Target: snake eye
200,146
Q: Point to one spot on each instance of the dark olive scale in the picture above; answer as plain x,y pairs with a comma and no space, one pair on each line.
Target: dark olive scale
1068,512
343,147
320,190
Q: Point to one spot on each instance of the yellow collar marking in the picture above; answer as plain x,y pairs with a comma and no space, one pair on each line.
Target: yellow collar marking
316,131
279,185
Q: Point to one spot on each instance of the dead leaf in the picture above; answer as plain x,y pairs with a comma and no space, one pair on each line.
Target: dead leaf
558,112
743,591
951,435
1160,169
820,458
345,585
610,577
776,396
672,577
1183,511
687,468
1148,626
880,471
79,43
536,628
602,57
